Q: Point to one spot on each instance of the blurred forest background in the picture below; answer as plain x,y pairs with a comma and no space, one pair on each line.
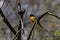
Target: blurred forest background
51,25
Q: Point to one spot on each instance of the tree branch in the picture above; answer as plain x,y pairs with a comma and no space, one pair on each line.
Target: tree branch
44,15
31,31
7,22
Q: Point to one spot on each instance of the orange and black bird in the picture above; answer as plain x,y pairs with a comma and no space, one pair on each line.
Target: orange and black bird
33,19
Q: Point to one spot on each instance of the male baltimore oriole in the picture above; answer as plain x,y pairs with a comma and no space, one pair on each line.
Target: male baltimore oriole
33,20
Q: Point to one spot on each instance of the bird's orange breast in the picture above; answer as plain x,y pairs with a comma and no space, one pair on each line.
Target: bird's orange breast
33,19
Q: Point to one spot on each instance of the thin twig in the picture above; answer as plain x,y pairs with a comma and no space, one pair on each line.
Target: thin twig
31,31
5,6
44,15
54,16
16,34
2,4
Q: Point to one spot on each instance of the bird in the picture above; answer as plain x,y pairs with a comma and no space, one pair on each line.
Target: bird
33,19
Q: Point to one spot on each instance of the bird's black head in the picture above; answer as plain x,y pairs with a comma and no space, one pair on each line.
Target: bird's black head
31,15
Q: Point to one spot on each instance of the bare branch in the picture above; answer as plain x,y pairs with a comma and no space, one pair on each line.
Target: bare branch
7,22
31,31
